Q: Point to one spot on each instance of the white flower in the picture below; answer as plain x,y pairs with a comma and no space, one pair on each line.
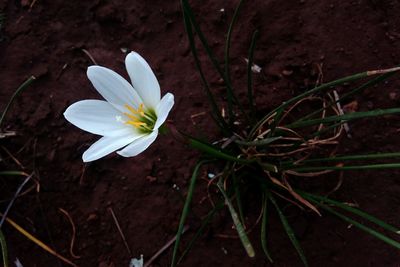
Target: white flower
136,262
131,115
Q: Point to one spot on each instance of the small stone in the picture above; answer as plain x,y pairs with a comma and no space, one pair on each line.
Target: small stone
393,95
151,179
92,217
287,72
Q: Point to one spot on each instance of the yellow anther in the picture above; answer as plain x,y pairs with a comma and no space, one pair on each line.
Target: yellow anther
136,123
136,116
130,116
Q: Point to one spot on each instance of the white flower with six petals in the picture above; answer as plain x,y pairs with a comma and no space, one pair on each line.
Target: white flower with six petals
132,114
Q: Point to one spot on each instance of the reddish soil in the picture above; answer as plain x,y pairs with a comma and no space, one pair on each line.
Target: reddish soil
46,40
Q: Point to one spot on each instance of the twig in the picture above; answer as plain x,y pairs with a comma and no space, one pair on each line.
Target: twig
89,55
71,247
374,72
13,157
193,116
14,198
61,71
37,241
341,112
298,197
229,141
82,175
7,134
167,245
120,231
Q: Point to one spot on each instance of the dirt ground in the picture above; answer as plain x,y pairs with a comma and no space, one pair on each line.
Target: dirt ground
46,38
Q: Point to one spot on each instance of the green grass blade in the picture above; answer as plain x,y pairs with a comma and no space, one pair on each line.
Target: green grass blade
238,225
4,251
355,211
214,151
16,93
345,117
250,74
214,107
204,224
264,221
13,173
185,210
351,157
321,88
359,225
289,231
238,197
345,96
345,168
190,16
230,93
262,142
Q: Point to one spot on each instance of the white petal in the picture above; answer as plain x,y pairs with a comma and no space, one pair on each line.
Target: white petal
143,79
107,145
163,109
97,117
139,145
114,88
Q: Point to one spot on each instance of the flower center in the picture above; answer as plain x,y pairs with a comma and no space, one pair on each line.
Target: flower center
140,118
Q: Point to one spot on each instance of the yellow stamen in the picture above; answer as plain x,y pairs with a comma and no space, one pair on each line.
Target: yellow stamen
136,123
132,117
136,116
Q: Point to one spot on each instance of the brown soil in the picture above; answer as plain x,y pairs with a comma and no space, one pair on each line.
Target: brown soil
46,38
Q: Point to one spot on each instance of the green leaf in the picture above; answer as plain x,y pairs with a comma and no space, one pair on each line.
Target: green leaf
204,223
345,117
264,229
345,96
238,196
289,231
353,157
315,90
190,16
250,96
214,107
355,211
359,225
346,168
215,151
13,173
16,93
236,221
185,210
261,142
230,94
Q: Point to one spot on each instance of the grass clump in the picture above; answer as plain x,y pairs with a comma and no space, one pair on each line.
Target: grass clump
267,151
